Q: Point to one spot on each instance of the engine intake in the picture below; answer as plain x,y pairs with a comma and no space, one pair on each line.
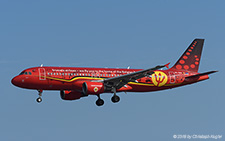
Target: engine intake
93,88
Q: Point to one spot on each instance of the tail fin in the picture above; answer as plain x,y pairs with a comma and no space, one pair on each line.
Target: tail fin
190,60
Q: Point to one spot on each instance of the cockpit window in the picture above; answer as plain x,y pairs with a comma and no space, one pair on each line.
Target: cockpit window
21,73
26,73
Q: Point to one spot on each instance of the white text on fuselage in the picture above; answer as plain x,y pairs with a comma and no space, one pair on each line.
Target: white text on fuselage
91,71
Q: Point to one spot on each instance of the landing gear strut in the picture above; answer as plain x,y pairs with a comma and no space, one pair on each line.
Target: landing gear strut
115,97
39,99
99,101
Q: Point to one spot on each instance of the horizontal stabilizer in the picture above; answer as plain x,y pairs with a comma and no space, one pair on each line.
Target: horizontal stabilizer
201,74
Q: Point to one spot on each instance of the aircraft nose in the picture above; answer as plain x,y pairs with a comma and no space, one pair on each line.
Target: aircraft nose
15,81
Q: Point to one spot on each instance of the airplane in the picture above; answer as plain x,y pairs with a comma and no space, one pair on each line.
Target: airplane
78,82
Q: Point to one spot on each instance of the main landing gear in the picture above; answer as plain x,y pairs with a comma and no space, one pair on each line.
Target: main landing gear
39,99
99,101
114,99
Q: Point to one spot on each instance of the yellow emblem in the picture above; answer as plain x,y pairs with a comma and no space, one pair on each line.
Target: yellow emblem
95,89
159,78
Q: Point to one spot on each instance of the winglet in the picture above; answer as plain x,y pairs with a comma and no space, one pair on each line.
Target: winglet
167,65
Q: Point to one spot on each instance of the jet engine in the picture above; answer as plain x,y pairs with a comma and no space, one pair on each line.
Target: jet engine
70,95
93,88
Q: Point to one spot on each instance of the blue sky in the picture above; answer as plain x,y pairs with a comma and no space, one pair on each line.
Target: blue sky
140,34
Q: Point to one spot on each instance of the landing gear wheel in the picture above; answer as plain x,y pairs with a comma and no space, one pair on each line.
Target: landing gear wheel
99,102
39,99
115,99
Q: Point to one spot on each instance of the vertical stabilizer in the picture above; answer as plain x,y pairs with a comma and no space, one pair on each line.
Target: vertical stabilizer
190,60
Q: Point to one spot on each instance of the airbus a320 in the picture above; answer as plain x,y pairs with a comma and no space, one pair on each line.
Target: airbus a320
78,82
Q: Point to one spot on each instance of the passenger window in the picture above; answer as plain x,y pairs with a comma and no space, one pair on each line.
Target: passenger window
25,73
29,73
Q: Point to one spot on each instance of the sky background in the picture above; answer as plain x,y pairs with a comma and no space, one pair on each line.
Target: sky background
118,33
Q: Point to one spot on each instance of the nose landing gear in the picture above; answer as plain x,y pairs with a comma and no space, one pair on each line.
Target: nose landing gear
39,99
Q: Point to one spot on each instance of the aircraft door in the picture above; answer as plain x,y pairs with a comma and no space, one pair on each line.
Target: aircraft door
42,74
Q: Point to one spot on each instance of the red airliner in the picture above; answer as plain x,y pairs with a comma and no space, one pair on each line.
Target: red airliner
76,82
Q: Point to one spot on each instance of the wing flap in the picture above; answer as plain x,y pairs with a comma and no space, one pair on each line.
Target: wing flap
120,81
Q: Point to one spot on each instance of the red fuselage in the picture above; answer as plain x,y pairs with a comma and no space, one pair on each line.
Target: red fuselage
71,78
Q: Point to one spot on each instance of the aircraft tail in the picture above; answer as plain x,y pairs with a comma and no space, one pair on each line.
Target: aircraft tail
190,60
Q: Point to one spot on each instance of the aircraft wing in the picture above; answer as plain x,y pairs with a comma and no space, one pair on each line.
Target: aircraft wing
120,81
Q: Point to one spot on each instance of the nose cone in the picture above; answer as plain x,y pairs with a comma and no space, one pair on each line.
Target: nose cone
15,81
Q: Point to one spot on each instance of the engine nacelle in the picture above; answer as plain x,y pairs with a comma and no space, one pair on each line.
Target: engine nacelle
70,95
93,88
